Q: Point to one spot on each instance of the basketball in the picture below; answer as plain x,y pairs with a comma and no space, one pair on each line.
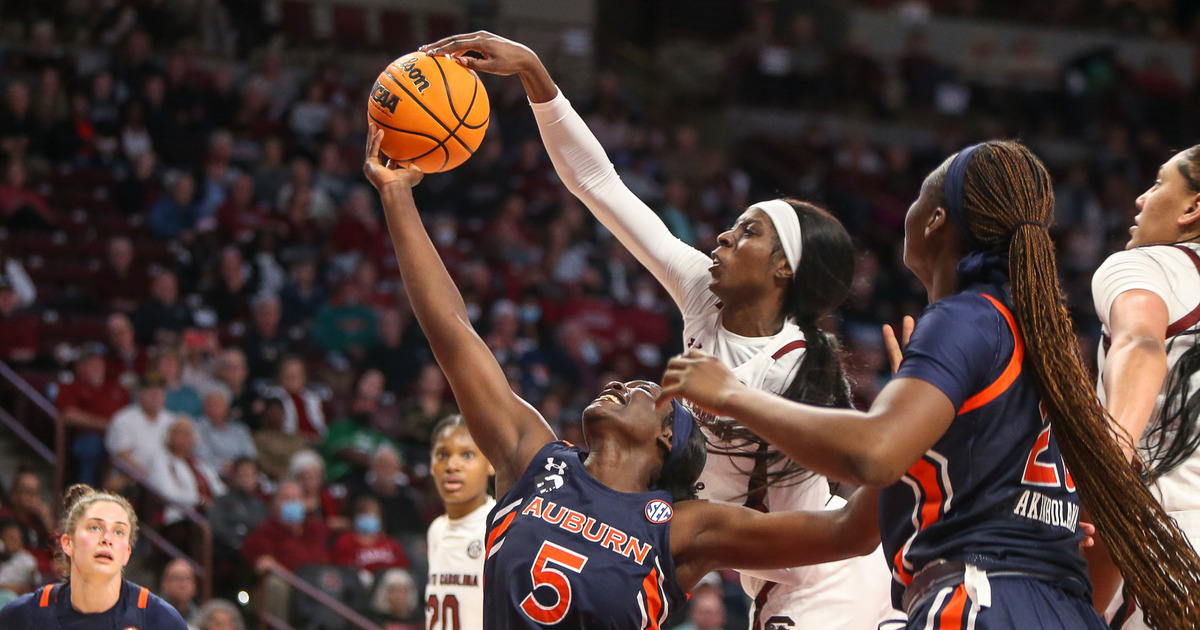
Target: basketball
433,111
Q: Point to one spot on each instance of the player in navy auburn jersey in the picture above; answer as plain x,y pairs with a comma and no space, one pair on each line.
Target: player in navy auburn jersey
978,513
605,538
1148,300
99,530
753,303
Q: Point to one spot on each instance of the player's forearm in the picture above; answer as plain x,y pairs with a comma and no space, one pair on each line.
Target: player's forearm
1134,370
436,302
539,86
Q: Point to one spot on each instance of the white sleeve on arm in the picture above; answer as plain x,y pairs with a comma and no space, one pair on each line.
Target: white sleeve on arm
586,171
1127,271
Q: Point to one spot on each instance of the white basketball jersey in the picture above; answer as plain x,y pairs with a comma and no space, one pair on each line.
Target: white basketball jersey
454,593
1173,275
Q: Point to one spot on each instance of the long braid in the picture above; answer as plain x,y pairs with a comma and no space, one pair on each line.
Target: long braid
1007,193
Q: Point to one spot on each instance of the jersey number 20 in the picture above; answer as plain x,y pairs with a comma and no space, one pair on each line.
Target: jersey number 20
449,613
545,575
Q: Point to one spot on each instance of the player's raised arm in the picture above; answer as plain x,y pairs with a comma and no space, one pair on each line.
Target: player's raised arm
507,429
581,163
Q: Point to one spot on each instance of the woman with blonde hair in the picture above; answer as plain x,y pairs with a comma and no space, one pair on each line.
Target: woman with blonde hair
99,531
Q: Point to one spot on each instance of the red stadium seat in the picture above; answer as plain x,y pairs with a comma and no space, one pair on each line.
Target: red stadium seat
397,29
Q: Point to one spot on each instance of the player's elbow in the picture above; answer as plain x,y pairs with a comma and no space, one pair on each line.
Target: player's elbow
874,465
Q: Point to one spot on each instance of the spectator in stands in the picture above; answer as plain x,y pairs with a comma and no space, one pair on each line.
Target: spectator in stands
276,446
366,547
265,343
136,435
199,354
181,475
126,359
231,291
21,207
178,586
304,412
317,205
164,316
88,404
18,328
241,215
388,485
291,537
237,512
705,610
18,568
348,326
135,137
351,441
326,502
175,217
181,397
21,132
270,174
33,514
218,614
140,187
395,601
231,372
119,283
398,357
223,440
302,296
359,230
427,405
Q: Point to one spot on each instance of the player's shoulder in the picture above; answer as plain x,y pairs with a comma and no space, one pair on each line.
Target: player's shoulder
965,309
1147,258
160,614
19,614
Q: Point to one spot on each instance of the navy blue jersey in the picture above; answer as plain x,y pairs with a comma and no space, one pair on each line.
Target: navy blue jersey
564,550
993,491
49,608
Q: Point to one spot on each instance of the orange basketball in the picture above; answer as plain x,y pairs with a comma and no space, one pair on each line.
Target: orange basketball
433,111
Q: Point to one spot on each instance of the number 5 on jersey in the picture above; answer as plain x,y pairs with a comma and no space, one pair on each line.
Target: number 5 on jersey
547,576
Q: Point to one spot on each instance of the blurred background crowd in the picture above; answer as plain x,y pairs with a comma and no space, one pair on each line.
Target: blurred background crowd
195,274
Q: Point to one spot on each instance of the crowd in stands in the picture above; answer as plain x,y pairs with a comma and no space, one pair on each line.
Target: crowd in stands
194,271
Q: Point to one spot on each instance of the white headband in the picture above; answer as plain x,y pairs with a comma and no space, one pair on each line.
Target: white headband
787,225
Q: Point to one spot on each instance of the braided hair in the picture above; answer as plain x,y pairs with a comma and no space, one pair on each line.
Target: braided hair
1008,200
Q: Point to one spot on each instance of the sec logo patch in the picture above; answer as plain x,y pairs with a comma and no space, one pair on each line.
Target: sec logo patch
475,549
658,511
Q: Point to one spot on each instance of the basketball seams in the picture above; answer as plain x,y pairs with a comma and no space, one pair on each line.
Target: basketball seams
431,114
437,144
462,120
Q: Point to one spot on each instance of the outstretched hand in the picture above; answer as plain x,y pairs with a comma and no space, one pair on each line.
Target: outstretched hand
499,56
382,175
701,379
895,347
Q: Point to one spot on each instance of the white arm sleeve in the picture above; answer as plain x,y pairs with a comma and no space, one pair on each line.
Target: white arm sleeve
1127,271
585,170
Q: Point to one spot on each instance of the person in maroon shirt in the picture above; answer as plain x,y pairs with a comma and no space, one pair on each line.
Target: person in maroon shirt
87,404
126,359
289,539
367,547
32,513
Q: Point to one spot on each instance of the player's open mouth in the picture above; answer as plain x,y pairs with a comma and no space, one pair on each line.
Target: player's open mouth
103,555
452,485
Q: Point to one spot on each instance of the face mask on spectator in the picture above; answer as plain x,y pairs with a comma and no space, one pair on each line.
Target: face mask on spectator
367,524
292,512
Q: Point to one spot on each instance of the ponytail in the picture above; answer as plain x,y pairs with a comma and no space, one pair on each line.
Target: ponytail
1008,200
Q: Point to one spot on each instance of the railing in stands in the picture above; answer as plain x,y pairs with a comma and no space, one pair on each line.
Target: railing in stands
267,620
201,557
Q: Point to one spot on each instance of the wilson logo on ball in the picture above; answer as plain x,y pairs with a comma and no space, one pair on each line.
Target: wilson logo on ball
658,511
418,78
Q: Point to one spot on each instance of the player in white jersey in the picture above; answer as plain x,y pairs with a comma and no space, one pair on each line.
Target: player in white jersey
753,304
454,593
1148,299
